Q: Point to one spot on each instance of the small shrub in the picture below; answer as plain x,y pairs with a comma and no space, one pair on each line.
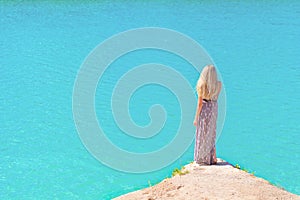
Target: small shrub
149,183
244,169
180,172
237,166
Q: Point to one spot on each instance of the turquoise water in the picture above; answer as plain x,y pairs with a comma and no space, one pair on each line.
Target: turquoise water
254,45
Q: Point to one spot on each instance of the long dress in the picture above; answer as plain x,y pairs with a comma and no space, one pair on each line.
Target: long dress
205,137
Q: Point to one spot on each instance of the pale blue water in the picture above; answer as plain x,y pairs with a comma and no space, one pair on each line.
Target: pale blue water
255,46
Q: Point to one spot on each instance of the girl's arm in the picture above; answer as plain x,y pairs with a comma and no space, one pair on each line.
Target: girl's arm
198,110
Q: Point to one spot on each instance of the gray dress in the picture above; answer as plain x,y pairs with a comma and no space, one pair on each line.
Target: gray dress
205,138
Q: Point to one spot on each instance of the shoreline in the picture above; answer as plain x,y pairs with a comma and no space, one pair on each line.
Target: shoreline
220,181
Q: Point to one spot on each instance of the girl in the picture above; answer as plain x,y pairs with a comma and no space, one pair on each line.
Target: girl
208,89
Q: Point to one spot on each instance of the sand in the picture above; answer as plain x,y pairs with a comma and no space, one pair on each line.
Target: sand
221,181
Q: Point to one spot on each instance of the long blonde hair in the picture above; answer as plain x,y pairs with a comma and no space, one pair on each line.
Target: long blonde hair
208,86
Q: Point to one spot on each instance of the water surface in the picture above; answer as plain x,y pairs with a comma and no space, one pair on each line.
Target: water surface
254,45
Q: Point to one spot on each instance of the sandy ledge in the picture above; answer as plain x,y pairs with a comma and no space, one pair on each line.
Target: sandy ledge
221,181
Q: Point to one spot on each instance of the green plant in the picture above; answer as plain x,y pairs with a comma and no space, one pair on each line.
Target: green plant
244,169
237,166
180,172
149,183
